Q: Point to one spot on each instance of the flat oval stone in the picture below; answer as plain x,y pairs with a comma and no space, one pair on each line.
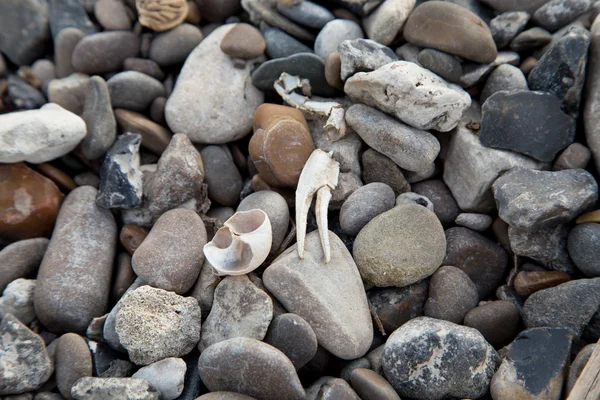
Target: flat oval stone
174,46
133,90
530,39
221,175
78,264
445,65
105,51
280,44
143,65
64,44
508,25
452,29
498,321
21,260
334,33
112,15
72,361
557,13
444,204
505,77
291,334
529,282
380,168
365,204
400,247
243,41
99,119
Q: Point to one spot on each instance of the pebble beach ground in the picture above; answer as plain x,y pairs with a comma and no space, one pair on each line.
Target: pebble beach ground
158,160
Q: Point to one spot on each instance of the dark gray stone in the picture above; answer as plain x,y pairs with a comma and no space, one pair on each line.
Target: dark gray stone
330,388
221,175
531,123
133,90
530,39
120,176
69,14
508,25
531,200
99,119
291,334
104,52
535,366
474,73
23,95
584,248
485,262
281,45
561,70
428,358
557,13
306,65
360,7
395,306
498,321
380,168
25,30
505,77
445,65
444,205
307,13
363,55
508,293
363,205
452,295
143,65
569,305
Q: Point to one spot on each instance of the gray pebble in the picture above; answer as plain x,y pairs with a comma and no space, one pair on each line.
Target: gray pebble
69,92
281,45
133,90
498,321
584,248
45,70
414,198
505,77
574,156
334,33
508,25
530,39
23,95
143,65
557,13
445,65
221,175
444,205
363,55
307,13
409,52
474,221
21,259
475,73
291,334
64,44
105,51
363,205
166,376
452,295
173,47
380,168
99,120
330,388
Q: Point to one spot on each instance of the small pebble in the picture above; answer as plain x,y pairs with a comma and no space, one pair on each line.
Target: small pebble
104,52
504,78
330,388
110,388
166,376
112,15
307,13
380,168
395,306
530,39
133,90
333,67
574,156
476,222
445,65
60,178
73,361
221,175
145,66
280,44
444,205
369,385
508,25
387,21
69,92
362,55
584,247
64,44
363,205
17,299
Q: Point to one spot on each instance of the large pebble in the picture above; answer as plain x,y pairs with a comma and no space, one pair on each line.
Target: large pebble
531,200
292,335
166,376
411,149
557,13
171,256
445,65
113,388
17,299
400,247
221,175
21,259
410,93
452,29
591,102
363,55
133,90
99,119
37,136
78,264
433,359
584,248
153,324
268,373
395,306
174,46
334,33
452,295
212,102
307,13
505,77
105,51
380,168
384,24
365,204
498,321
25,30
508,25
330,297
72,361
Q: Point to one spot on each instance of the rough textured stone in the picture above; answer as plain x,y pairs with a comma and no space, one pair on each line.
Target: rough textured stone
365,204
432,359
395,306
334,33
72,361
73,282
331,297
583,245
452,29
221,175
363,55
269,373
498,321
387,21
133,90
412,94
380,168
99,120
557,13
369,385
307,13
444,205
113,388
25,30
105,51
212,102
293,336
504,78
445,65
166,376
508,25
17,299
452,295
174,46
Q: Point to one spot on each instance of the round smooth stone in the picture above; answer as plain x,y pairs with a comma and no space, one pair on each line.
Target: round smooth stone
72,361
584,248
307,13
452,295
365,204
414,198
505,77
369,385
333,66
529,282
133,90
243,41
445,65
498,321
221,175
112,15
291,334
143,65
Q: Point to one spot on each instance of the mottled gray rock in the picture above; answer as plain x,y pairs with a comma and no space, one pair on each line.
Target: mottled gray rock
25,30
475,73
410,148
557,13
591,102
531,39
363,55
498,321
515,5
221,175
387,21
24,362
444,205
407,91
153,324
395,306
293,336
307,13
21,259
414,198
476,222
452,295
380,168
332,300
17,299
574,156
334,33
505,77
281,45
166,376
584,247
508,25
113,388
433,359
99,119
365,204
330,388
445,65
174,46
267,374
531,200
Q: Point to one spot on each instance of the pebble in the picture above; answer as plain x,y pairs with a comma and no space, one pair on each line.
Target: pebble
153,324
557,13
532,200
104,52
29,204
452,295
45,71
443,64
213,102
348,183
154,137
171,256
222,395
243,41
26,34
498,321
17,299
414,198
157,110
23,95
330,388
21,260
578,365
409,148
395,306
524,373
529,282
174,46
333,70
64,44
411,86
449,361
531,39
528,64
463,34
560,74
369,385
332,300
475,73
272,374
363,55
365,204
574,156
379,168
476,222
24,362
305,65
444,205
280,45
161,16
307,13
124,275
120,175
483,260
221,175
400,247
294,337
276,208
218,10
583,245
113,388
166,376
101,125
69,92
112,15
387,21
504,78
204,289
531,123
145,66
133,90
69,14
334,33
72,361
507,25
591,100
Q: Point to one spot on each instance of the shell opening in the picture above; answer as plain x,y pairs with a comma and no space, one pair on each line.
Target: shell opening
245,221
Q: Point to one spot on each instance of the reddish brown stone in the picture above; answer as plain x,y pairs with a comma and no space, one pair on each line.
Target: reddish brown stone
29,203
60,178
527,283
132,236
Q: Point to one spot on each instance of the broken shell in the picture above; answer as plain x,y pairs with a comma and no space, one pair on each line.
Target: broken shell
161,15
242,245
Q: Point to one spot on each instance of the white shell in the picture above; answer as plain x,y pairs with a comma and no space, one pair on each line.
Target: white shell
242,245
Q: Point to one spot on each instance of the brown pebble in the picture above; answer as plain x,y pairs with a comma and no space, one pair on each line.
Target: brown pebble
161,15
124,276
593,216
193,16
498,321
243,41
528,64
333,66
154,137
500,229
72,362
369,385
132,236
60,178
527,283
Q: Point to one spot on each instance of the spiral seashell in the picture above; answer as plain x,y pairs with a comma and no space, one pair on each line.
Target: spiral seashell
161,15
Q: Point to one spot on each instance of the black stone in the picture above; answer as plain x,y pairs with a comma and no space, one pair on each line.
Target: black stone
25,30
395,306
281,45
531,123
69,14
193,386
23,95
120,176
305,65
561,70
